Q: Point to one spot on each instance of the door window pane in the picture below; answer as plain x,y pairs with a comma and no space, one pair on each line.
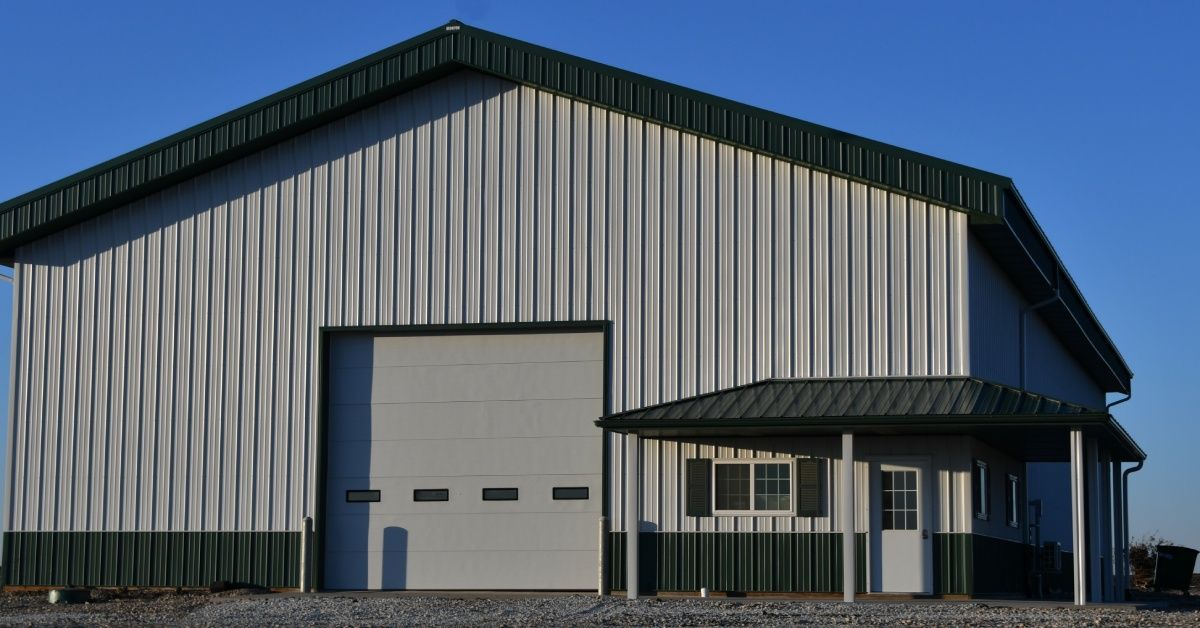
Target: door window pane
899,500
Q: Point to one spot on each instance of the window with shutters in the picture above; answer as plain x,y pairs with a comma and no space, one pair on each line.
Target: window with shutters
760,487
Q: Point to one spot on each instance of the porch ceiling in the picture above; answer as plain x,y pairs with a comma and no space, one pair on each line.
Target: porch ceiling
1030,426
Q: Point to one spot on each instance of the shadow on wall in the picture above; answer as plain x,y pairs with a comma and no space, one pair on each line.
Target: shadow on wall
395,558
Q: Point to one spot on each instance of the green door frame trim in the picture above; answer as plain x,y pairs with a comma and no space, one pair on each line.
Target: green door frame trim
326,334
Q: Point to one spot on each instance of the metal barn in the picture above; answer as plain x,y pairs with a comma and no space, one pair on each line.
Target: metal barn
496,317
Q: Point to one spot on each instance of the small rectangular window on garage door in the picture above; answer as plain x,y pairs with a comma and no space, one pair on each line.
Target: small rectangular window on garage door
362,496
431,495
570,492
499,494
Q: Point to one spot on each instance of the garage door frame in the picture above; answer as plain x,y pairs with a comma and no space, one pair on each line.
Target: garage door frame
327,333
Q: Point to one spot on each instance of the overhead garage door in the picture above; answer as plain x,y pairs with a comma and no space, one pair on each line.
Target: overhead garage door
464,461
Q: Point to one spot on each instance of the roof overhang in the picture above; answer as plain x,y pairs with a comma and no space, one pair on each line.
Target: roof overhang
1031,427
1031,439
995,208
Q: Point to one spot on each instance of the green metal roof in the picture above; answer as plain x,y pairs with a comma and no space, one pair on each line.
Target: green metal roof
996,210
1014,419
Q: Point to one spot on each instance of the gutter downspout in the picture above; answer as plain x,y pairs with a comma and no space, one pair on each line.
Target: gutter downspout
1125,525
1025,312
1123,542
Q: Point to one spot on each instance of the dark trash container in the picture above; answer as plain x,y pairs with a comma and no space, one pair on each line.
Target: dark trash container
1173,568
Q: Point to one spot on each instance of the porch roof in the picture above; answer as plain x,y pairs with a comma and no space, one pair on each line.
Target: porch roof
1029,425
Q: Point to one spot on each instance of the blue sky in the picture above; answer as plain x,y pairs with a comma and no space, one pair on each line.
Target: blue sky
1091,107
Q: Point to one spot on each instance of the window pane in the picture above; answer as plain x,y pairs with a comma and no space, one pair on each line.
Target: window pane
362,496
887,480
431,495
570,492
911,521
887,521
733,486
772,486
499,494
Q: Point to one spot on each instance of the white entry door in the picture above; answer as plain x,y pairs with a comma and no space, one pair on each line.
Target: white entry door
901,542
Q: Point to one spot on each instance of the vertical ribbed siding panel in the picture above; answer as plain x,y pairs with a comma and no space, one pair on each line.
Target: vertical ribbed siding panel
174,340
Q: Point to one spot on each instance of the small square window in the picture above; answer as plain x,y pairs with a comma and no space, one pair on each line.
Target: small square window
570,492
431,495
499,494
362,496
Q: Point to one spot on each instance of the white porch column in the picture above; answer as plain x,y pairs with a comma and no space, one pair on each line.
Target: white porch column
633,513
1078,541
1105,558
1095,523
1118,540
846,516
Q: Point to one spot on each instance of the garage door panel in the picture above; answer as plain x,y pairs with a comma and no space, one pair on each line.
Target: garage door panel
491,570
463,413
469,382
468,532
477,456
535,494
480,349
466,419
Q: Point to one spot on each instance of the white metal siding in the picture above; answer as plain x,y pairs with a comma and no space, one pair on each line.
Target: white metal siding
166,352
995,324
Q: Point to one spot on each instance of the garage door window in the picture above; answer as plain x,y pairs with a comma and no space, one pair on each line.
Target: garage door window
431,495
570,492
499,494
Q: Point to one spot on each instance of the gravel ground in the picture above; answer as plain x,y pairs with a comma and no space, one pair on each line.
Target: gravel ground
243,609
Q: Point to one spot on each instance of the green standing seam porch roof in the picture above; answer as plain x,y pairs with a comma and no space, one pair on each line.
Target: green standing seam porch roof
998,215
894,405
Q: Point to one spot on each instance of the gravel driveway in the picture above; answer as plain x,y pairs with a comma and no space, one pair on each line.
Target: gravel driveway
233,609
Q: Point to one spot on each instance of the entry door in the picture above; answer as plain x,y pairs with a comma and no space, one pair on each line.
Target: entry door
901,542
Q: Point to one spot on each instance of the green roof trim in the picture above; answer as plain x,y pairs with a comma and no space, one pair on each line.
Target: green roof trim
891,405
995,208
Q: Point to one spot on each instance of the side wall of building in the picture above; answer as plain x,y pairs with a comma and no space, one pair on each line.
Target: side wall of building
166,373
995,331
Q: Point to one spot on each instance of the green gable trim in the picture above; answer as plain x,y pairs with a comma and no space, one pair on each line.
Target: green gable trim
151,559
991,200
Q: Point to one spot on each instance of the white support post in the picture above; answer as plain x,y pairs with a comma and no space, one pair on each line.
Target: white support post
633,515
1095,523
1078,541
1120,537
846,516
1106,557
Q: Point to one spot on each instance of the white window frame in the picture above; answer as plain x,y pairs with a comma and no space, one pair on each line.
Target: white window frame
1014,501
791,462
983,510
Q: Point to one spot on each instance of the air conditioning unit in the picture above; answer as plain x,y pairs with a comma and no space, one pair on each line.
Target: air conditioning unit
1051,556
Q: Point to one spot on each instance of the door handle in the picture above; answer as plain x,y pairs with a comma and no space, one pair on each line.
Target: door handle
924,533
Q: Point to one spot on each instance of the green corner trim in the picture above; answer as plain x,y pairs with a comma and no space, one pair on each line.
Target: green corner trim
151,559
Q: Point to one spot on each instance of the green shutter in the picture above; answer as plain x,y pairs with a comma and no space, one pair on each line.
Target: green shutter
809,482
699,472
